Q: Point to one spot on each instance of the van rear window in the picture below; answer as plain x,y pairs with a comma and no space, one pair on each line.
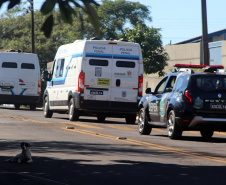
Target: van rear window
125,64
94,62
27,66
9,65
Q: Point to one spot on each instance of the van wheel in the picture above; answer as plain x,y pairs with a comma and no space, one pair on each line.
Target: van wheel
101,118
17,106
174,130
73,112
143,127
131,118
32,107
47,113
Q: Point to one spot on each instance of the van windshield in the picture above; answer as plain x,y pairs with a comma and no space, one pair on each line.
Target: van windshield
210,83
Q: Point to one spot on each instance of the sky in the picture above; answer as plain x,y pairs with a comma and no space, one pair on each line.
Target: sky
178,20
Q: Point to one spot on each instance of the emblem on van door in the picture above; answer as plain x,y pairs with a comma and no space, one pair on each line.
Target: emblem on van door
219,95
129,73
123,93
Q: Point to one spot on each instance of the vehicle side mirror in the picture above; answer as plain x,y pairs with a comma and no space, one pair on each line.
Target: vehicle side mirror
148,91
169,89
46,76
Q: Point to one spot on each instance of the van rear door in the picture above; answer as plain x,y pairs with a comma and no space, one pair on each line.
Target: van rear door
125,73
28,75
9,74
98,72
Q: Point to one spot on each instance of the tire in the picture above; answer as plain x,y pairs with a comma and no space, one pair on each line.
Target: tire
47,113
33,107
73,112
101,118
174,130
206,133
17,106
131,118
143,127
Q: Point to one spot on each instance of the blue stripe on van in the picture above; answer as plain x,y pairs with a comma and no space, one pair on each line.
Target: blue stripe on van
98,55
130,57
61,81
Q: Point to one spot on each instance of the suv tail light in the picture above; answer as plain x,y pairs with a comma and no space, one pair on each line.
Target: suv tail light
140,86
188,97
39,86
81,81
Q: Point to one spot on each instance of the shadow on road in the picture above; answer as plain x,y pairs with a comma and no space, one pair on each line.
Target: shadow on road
47,170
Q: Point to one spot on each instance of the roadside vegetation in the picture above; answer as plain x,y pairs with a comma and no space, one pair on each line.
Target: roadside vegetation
117,19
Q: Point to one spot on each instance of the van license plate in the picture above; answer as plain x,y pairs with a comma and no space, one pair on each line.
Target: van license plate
96,92
218,106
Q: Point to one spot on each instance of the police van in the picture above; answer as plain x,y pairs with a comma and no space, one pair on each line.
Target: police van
20,82
98,77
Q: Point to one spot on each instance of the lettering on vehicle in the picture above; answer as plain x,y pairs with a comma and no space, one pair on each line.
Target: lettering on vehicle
128,74
98,49
102,81
125,51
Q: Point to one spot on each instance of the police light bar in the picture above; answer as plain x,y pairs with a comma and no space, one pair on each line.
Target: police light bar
198,66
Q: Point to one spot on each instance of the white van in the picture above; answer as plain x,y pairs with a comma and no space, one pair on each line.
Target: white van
20,82
98,77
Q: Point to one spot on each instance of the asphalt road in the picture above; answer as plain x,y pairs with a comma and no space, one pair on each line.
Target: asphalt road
92,153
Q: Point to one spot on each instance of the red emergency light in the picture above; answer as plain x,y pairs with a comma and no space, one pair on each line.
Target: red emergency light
198,66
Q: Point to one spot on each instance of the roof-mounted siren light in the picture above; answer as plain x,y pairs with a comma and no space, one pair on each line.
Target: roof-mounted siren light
198,66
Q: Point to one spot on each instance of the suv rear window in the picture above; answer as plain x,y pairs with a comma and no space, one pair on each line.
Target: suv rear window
210,83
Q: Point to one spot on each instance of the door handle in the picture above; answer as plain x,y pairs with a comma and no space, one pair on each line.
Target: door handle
118,82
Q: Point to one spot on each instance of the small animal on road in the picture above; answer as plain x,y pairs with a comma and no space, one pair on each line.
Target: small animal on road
24,156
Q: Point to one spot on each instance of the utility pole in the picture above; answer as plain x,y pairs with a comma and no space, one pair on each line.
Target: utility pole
205,46
32,27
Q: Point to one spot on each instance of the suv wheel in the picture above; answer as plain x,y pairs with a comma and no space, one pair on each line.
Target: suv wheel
206,133
33,107
174,130
143,127
73,112
131,118
47,113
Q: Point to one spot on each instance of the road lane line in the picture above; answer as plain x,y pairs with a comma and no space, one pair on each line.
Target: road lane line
154,146
83,125
23,119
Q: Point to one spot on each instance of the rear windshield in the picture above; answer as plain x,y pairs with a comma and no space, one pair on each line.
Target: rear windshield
210,83
9,65
125,64
94,62
27,66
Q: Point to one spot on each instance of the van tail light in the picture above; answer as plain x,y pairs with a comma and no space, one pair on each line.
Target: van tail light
81,81
39,86
140,86
188,97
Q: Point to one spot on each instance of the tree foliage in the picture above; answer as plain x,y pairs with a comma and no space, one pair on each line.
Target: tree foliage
67,12
16,33
115,18
154,55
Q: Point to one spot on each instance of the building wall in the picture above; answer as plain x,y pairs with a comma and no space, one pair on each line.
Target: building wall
189,54
178,54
